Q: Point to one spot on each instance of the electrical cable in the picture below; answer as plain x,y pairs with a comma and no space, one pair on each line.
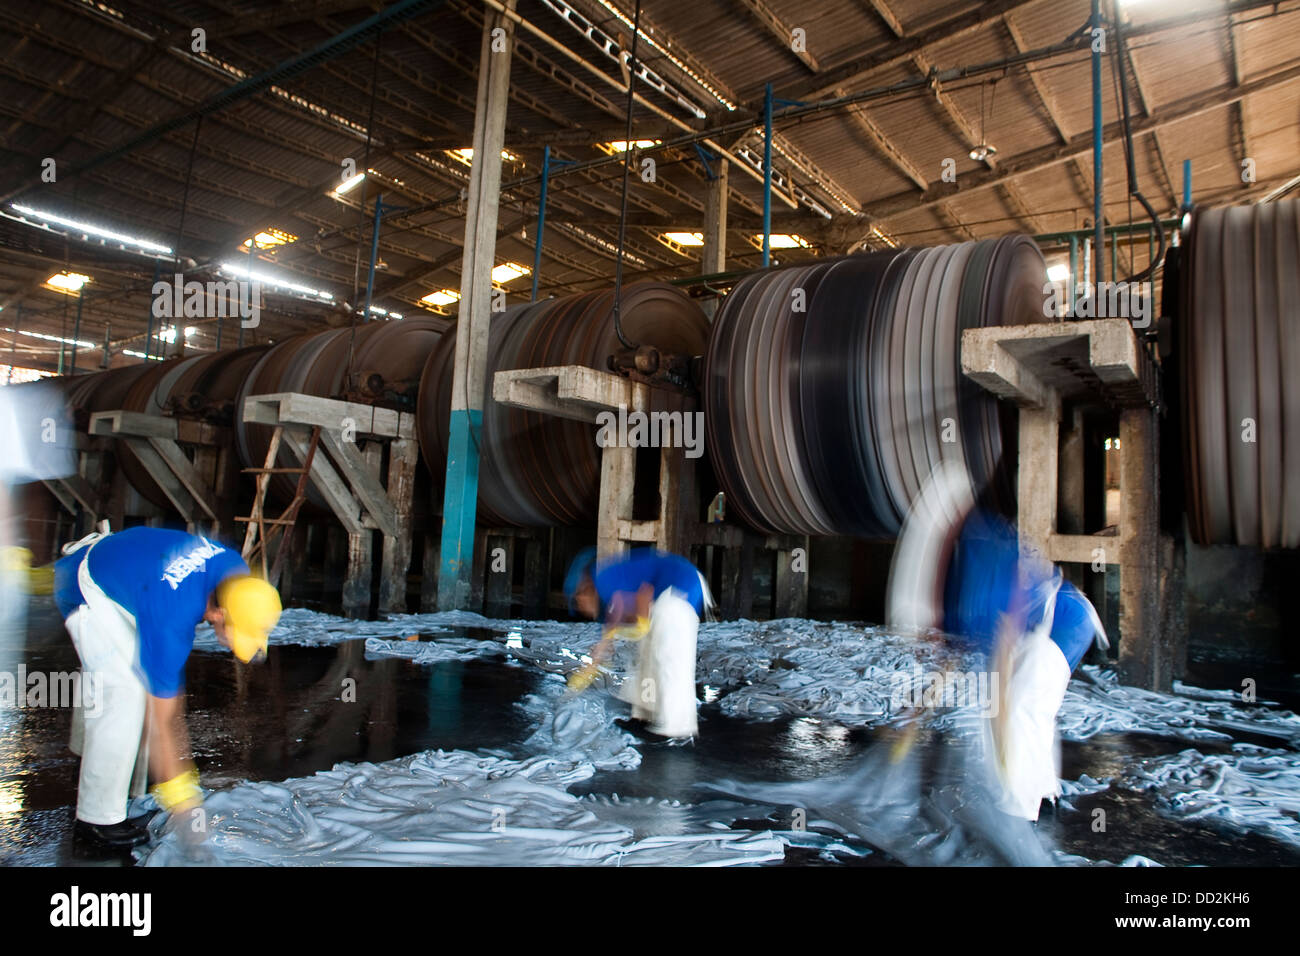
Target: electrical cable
627,167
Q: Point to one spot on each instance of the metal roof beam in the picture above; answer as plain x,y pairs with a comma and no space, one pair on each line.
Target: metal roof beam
1049,156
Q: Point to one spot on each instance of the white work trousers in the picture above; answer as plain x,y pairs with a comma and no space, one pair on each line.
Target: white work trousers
1031,752
663,689
109,736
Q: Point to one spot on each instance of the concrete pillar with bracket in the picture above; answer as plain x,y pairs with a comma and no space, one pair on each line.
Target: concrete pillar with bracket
460,497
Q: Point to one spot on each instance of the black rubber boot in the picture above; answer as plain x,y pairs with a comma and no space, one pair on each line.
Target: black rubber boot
112,836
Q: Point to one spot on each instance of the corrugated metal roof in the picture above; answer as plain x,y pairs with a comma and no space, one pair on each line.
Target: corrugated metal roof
79,79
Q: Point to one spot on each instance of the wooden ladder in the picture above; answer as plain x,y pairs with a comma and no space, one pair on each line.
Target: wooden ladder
256,537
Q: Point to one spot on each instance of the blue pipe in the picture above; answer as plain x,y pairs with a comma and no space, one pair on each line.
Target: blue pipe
148,334
76,328
251,247
374,255
541,221
1098,181
1187,184
767,174
1074,267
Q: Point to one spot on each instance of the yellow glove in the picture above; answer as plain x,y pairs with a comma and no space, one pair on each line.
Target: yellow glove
631,632
180,792
581,679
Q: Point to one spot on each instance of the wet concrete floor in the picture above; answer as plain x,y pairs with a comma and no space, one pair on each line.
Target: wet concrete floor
288,718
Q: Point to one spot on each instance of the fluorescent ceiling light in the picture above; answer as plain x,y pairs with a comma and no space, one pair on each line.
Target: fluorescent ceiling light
68,283
269,238
1058,273
86,229
466,155
442,297
785,241
509,271
685,238
241,270
348,184
620,145
54,338
134,354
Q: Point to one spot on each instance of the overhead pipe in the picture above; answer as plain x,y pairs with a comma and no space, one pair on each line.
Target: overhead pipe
1121,59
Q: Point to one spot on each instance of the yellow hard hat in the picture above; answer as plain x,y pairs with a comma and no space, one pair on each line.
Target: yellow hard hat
252,608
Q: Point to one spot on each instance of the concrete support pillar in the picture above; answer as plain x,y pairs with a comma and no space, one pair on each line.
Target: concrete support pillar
1145,657
460,499
714,257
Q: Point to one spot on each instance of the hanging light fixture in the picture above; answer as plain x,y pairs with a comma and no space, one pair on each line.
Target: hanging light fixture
983,152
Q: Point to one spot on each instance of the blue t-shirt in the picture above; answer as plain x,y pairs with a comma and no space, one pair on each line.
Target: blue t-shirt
161,577
988,577
648,566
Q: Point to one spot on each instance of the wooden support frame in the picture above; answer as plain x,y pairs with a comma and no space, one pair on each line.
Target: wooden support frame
156,441
349,478
1098,361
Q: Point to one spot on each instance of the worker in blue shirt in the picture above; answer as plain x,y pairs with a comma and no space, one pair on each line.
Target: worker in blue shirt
658,598
1017,607
131,602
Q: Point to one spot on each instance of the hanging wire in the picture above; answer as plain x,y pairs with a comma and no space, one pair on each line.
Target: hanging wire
361,213
627,167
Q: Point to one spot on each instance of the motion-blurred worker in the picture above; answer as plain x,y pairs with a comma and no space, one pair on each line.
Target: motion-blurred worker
1019,609
962,570
131,601
658,598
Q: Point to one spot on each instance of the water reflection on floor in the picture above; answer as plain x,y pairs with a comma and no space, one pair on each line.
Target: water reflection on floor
309,708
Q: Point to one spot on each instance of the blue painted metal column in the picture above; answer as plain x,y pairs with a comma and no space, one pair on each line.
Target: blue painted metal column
1074,269
148,332
1187,184
541,221
460,497
374,255
1098,180
547,164
76,327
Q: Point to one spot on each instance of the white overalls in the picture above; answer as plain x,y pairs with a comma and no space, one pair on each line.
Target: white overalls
108,732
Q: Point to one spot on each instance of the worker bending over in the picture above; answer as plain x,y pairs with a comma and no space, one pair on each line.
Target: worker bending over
1036,627
131,601
659,599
